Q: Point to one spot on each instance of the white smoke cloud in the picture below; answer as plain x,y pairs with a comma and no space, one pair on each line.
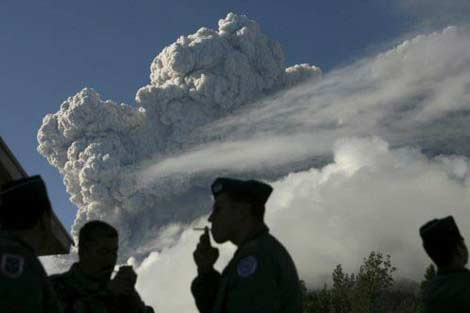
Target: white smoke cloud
369,198
222,103
99,145
417,93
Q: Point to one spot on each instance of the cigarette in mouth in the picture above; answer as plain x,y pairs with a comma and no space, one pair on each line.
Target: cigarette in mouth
200,228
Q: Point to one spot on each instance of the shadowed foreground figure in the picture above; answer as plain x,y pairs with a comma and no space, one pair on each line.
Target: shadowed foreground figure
25,212
449,291
261,277
87,286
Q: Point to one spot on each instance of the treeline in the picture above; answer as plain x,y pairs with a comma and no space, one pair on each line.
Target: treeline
371,290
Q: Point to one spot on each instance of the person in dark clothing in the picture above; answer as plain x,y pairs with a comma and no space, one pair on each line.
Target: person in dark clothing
25,212
88,287
449,291
261,276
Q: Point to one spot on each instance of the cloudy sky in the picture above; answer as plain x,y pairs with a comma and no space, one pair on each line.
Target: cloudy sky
51,49
357,114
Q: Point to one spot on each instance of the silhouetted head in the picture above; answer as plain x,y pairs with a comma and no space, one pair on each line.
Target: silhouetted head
25,210
24,203
237,204
443,243
98,244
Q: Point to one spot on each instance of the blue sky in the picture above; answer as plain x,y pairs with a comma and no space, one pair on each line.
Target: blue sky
52,49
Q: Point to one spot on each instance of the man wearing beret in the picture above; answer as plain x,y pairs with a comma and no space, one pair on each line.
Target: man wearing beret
261,276
449,291
24,216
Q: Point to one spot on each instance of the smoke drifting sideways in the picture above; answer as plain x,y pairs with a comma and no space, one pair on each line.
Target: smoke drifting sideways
358,160
99,146
370,197
387,139
416,94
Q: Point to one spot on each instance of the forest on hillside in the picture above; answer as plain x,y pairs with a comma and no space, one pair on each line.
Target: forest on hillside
371,290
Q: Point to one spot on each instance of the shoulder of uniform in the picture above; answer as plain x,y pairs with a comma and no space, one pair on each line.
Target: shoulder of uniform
262,244
57,277
252,255
63,285
271,243
61,281
60,277
9,243
12,265
4,239
255,246
250,246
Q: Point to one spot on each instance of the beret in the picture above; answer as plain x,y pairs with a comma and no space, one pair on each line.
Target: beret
23,201
254,189
440,232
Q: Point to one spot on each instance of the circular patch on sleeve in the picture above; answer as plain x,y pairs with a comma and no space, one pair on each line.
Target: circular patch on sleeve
247,266
11,265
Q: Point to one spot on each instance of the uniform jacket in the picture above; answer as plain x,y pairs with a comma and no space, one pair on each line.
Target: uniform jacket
448,292
79,294
24,286
261,278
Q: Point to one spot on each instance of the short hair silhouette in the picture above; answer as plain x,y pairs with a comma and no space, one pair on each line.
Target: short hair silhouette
94,230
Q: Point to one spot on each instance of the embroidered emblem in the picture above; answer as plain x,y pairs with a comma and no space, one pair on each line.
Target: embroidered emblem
247,266
12,265
217,188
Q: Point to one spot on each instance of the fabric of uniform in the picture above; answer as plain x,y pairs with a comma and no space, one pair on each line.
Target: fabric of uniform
24,286
79,294
261,277
448,292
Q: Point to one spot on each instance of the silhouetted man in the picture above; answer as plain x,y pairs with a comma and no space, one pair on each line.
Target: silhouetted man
261,277
25,214
87,286
449,291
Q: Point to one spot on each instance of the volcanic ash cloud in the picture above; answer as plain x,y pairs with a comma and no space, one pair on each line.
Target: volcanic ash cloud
359,159
370,197
99,146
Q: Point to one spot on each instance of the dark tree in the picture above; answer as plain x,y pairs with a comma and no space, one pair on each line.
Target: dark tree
371,290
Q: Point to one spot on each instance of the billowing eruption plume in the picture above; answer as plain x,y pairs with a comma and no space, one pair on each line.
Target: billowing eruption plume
99,146
359,159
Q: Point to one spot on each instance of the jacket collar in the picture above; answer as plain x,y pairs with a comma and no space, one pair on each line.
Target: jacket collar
255,234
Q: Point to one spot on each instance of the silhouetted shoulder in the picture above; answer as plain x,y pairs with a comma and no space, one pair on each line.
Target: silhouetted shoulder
23,281
275,265
448,292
